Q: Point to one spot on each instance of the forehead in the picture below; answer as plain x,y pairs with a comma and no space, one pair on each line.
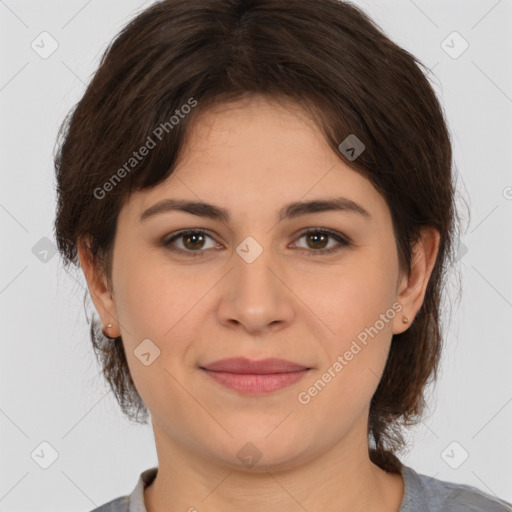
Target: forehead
254,156
239,129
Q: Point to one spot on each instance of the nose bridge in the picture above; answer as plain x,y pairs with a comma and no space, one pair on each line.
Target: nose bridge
255,295
253,264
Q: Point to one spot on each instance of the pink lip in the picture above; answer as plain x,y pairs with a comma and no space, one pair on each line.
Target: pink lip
255,377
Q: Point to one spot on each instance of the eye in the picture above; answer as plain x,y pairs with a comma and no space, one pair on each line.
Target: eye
318,238
193,241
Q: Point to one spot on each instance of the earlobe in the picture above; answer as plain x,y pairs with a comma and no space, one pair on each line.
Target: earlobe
413,287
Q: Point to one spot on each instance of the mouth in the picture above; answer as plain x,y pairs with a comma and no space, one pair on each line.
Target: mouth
255,377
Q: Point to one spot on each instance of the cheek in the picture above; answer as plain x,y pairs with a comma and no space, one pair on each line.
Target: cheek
357,308
341,389
157,303
352,299
151,297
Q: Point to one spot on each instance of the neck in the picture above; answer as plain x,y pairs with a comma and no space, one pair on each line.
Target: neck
342,479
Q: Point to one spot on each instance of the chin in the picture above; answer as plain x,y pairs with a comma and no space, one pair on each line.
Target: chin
256,451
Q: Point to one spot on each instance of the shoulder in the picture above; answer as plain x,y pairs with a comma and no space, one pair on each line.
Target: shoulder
427,494
121,504
133,502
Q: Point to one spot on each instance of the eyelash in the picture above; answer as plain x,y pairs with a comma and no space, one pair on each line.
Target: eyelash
310,252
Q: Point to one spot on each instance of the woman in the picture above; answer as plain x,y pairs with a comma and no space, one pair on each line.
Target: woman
260,195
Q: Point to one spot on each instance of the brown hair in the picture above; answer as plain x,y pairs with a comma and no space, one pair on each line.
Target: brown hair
328,57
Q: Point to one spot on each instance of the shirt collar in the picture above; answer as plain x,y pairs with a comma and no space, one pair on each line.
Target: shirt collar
414,499
137,495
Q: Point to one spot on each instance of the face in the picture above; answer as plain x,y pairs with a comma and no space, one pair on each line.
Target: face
258,285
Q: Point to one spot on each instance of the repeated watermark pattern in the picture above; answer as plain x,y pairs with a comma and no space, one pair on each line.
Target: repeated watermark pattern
453,49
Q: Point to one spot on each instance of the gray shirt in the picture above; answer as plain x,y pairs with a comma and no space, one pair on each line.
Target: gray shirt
422,493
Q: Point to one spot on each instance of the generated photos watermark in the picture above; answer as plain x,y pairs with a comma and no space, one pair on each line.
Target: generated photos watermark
304,397
144,150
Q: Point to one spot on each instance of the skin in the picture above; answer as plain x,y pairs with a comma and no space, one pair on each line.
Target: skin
252,158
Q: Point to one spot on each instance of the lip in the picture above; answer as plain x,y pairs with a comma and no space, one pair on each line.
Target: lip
255,377
242,365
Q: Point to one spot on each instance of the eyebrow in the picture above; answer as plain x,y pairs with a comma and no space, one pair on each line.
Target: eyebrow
289,211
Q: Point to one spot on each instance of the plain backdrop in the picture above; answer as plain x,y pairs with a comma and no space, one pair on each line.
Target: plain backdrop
51,391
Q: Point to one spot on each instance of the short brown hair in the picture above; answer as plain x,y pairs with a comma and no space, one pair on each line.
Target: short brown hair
328,57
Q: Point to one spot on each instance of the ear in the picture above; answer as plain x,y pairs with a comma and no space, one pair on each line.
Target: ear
101,295
411,289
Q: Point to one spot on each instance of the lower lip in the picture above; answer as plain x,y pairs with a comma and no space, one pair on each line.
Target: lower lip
256,384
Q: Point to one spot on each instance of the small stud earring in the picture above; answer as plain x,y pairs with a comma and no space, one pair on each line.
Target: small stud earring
108,326
405,320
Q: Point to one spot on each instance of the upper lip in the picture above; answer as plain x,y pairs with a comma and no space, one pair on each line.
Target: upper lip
248,366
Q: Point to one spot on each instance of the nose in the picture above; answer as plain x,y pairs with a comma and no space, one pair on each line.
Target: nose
255,295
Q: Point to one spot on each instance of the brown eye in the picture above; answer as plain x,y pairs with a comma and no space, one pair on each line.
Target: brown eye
317,241
193,241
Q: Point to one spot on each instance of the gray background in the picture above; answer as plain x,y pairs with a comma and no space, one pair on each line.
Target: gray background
50,387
